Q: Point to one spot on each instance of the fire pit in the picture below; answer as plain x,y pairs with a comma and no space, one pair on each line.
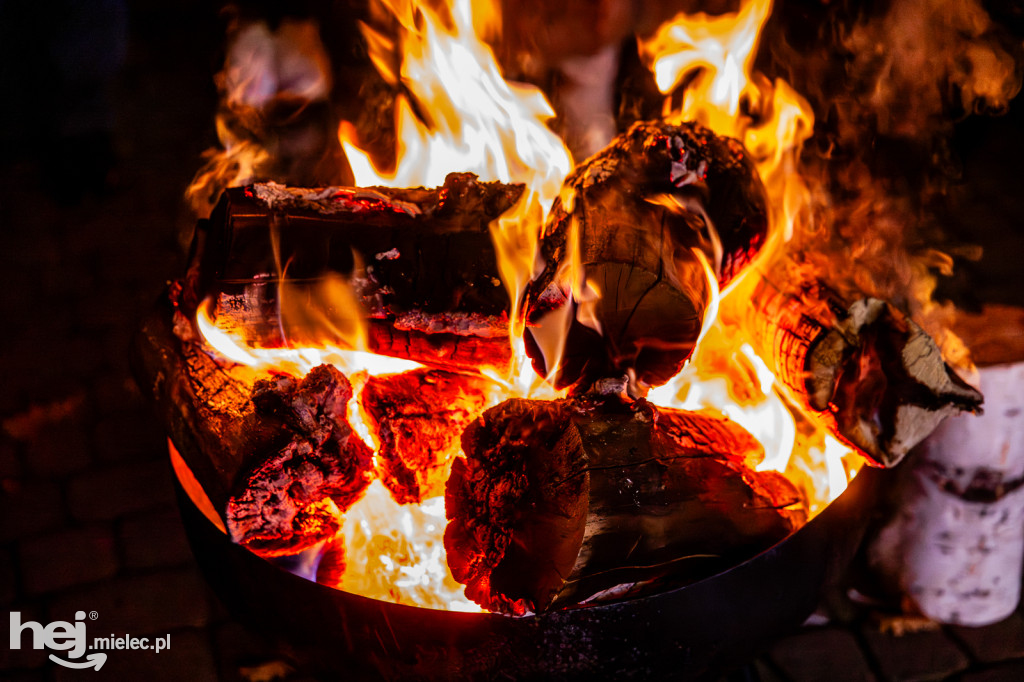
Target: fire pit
615,403
694,632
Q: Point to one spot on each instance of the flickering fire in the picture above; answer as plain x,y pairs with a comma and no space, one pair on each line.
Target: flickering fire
457,113
772,121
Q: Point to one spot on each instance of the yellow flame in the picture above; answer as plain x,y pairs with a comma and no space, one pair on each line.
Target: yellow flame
456,112
711,58
292,360
396,552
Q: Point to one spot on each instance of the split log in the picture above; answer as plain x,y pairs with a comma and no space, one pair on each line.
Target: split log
872,372
420,262
639,212
557,501
293,499
418,418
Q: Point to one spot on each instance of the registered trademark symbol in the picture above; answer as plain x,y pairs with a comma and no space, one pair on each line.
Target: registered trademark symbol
93,615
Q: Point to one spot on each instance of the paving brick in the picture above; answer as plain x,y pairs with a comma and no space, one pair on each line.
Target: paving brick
130,434
996,642
10,466
124,489
188,658
25,656
236,647
115,393
916,656
61,448
28,508
152,604
821,653
8,579
154,539
1012,671
67,558
38,675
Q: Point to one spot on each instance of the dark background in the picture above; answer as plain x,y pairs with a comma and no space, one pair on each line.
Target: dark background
106,109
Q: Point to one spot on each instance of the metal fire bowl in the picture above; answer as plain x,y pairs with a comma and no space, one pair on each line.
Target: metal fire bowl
694,632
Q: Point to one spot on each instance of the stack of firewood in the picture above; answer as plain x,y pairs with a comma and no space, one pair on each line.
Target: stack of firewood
549,502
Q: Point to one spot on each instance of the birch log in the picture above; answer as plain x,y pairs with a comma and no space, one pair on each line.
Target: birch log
956,544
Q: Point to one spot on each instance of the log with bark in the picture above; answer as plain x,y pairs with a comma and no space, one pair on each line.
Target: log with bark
420,263
418,418
277,462
877,378
639,213
559,501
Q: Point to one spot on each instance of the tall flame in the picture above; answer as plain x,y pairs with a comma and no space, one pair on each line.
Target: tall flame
456,112
711,58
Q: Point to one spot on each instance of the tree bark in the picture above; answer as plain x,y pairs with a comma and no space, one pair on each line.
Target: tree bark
278,463
954,546
869,370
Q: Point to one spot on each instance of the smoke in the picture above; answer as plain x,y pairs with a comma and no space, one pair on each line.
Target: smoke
888,81
273,121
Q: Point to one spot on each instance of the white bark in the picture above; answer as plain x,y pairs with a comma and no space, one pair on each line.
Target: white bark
956,545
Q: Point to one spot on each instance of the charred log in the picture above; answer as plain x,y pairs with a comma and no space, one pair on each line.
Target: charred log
203,404
294,498
419,261
559,501
331,568
419,417
644,213
869,369
277,460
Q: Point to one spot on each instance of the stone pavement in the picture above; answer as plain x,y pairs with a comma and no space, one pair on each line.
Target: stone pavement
87,515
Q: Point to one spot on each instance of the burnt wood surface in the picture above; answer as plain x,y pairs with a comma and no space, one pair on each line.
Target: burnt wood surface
294,498
420,262
872,372
638,212
418,418
279,466
557,501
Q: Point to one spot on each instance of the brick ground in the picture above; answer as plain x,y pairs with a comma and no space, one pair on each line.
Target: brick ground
87,518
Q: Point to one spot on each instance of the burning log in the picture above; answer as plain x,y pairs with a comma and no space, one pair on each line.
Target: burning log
645,213
294,498
419,417
557,501
872,371
422,266
276,459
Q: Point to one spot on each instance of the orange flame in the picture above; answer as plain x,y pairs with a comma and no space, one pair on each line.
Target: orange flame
457,113
711,58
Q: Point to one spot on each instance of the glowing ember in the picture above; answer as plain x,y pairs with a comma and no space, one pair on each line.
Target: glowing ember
457,113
